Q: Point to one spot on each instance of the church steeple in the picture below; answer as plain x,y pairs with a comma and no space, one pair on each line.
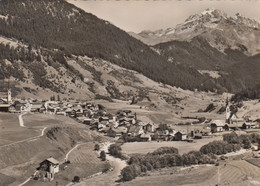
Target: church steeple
228,112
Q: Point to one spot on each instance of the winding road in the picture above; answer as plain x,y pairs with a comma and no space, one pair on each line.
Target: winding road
21,122
108,178
21,119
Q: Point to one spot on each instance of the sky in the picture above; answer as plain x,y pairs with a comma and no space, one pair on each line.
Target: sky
139,15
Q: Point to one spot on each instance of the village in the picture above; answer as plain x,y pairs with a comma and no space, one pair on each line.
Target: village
124,125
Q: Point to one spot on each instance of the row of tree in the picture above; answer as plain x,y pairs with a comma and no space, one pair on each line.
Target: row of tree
169,157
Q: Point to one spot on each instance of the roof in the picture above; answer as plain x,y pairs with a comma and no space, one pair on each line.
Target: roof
38,106
135,129
219,123
120,130
181,132
235,125
53,161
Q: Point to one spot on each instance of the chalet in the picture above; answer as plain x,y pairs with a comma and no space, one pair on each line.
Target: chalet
205,131
87,121
145,137
148,127
4,106
12,109
135,131
247,125
197,135
19,104
68,111
235,126
114,132
37,108
104,118
217,126
180,136
50,166
104,129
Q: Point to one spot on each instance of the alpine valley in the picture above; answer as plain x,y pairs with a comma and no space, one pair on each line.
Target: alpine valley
58,48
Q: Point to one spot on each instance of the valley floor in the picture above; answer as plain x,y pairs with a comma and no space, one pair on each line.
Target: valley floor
229,172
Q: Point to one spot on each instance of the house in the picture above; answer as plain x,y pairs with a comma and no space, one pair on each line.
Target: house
247,125
104,118
180,136
197,135
4,106
87,121
148,127
37,108
117,131
50,166
135,131
217,126
206,131
235,126
145,137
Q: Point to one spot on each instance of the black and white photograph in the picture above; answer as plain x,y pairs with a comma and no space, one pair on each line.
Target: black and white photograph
129,92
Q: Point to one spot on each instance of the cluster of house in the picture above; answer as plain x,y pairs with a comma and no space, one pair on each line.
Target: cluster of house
220,125
123,124
232,122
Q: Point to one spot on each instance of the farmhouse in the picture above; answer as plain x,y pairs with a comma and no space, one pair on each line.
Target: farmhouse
50,166
217,126
180,135
148,127
135,131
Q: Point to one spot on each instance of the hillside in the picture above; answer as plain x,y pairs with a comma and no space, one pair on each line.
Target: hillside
53,30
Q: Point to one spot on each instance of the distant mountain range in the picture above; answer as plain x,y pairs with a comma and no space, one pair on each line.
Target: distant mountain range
213,42
51,45
221,31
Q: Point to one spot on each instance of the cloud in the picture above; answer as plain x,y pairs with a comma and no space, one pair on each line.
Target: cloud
141,15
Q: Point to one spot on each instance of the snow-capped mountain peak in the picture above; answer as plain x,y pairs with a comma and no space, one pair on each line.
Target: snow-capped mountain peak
219,29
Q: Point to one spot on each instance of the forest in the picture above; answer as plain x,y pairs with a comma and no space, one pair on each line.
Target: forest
58,25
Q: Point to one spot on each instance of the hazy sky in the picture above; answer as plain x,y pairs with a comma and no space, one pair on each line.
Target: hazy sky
138,15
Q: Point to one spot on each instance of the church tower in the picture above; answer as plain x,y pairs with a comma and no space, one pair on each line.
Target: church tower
228,112
9,96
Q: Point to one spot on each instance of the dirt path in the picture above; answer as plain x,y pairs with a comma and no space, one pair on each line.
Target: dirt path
67,155
109,178
25,140
21,119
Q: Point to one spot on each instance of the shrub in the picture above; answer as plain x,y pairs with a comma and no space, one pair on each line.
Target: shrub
165,150
115,150
130,172
103,155
231,138
76,179
97,147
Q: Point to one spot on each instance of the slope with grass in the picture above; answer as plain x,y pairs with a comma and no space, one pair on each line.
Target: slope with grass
20,160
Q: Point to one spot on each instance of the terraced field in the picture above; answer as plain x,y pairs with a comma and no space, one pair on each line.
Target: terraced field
84,162
254,161
238,172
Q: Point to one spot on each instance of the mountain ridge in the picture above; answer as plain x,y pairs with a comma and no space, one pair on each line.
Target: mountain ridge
221,31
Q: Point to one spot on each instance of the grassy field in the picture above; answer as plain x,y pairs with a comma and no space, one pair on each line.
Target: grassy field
233,173
10,130
84,162
254,161
19,160
184,147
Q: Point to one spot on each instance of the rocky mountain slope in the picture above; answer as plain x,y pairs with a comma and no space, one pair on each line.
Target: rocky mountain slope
221,32
223,47
62,29
57,48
